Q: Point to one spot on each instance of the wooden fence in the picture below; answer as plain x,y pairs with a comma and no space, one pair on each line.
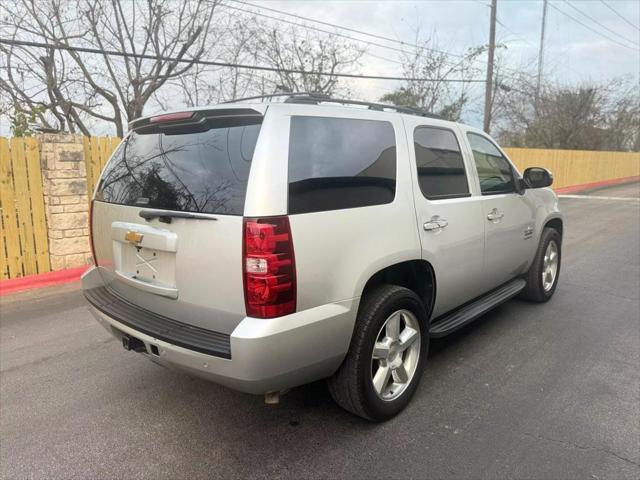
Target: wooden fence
24,247
578,167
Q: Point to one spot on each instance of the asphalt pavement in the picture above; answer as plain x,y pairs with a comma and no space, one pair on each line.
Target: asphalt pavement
527,391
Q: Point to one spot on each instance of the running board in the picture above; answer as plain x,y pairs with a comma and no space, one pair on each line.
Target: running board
467,314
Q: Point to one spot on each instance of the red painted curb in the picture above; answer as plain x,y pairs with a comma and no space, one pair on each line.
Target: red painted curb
590,186
41,280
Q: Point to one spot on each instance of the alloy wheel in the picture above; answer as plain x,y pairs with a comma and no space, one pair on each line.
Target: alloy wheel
395,355
550,266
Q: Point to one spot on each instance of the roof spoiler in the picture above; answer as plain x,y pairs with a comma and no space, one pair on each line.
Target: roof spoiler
195,120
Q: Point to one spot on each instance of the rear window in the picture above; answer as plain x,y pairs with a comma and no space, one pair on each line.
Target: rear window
338,163
203,172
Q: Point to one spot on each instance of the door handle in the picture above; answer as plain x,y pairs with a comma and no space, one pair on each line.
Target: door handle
495,215
435,224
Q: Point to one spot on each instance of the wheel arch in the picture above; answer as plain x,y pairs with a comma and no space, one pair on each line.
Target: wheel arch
555,223
417,275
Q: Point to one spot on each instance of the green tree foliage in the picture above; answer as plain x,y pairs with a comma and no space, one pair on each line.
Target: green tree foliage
22,120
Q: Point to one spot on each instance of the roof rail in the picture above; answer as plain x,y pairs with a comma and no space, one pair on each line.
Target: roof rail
276,95
372,106
314,98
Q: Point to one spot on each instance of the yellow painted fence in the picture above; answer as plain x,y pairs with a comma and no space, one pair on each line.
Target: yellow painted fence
23,238
24,247
578,167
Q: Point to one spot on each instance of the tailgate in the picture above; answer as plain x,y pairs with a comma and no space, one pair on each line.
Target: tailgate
189,270
167,216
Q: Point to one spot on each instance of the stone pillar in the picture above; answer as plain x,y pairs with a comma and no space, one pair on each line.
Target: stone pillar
65,197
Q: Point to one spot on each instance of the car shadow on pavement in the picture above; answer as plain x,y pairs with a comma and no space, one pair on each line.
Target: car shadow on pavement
314,400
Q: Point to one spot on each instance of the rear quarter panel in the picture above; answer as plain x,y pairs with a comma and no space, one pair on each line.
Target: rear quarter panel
336,251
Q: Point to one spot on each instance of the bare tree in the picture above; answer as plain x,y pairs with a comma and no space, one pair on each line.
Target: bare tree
295,49
241,46
503,77
438,95
622,115
236,43
31,82
74,88
584,117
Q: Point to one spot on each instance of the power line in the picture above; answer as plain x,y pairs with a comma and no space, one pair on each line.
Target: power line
511,71
407,44
366,42
322,31
353,30
397,62
515,34
589,28
602,25
314,28
337,34
361,32
619,14
115,53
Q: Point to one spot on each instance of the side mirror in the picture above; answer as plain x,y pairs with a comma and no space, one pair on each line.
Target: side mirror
537,177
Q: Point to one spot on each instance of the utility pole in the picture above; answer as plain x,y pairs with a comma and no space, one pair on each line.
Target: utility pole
488,89
541,51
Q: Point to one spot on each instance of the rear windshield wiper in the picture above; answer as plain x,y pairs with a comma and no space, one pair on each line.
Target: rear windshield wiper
165,216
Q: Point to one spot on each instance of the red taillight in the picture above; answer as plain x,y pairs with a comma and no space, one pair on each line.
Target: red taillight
171,117
93,250
269,267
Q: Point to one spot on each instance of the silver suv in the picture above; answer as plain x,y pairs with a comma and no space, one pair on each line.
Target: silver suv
267,245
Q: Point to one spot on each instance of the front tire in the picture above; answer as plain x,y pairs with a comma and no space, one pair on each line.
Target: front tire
387,354
542,278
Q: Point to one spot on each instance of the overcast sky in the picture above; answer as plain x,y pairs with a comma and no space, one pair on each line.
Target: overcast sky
574,53
602,47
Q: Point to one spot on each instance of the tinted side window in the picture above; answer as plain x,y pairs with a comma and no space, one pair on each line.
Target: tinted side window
441,171
337,163
496,175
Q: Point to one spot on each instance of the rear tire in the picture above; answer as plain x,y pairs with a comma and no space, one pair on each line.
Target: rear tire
542,278
387,354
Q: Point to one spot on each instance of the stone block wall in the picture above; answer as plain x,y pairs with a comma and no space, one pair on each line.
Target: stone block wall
64,179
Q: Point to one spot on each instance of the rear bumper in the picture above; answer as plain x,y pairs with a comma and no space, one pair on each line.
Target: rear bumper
264,355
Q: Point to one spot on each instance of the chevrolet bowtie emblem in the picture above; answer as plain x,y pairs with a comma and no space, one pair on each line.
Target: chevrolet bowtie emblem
134,238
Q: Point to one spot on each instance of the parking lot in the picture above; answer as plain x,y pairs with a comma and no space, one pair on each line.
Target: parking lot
528,391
